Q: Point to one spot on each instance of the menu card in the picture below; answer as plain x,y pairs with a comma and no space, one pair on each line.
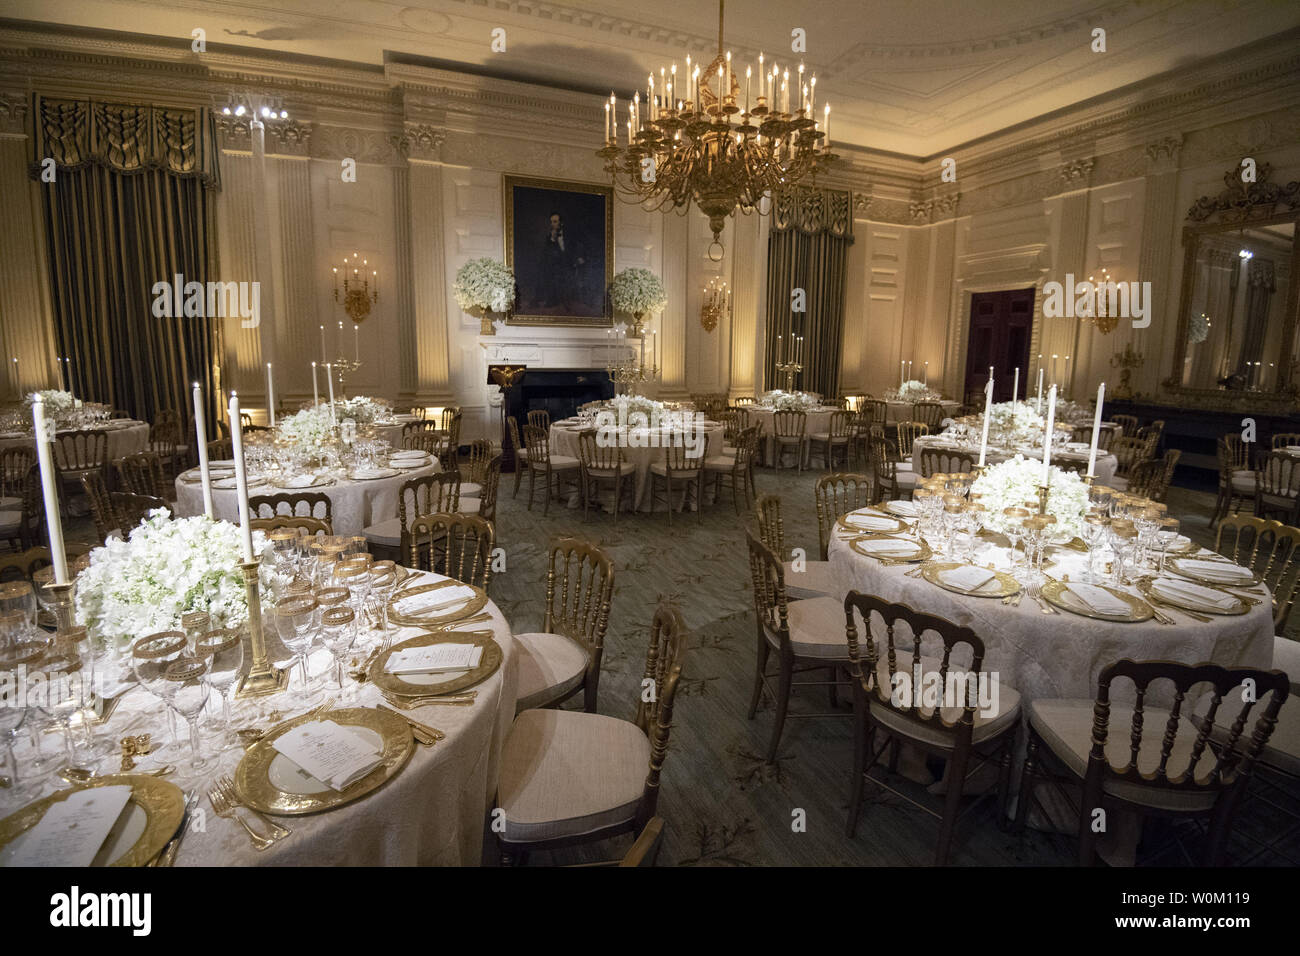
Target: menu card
72,830
871,522
1187,591
968,577
1217,570
434,659
1099,599
334,755
437,598
894,546
903,507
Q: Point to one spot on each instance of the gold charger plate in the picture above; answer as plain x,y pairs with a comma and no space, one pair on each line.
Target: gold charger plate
899,523
1254,581
922,554
471,606
436,683
156,809
1139,610
1148,591
1001,585
264,776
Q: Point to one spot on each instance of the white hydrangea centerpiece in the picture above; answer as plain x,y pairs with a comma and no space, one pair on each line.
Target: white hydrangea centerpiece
783,401
912,391
309,427
637,292
58,404
362,410
165,569
1014,483
482,286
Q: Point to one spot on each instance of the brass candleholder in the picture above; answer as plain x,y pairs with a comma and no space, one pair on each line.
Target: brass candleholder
789,370
1042,499
262,679
59,600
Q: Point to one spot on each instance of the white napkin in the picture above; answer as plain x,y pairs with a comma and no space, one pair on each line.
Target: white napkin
372,473
1098,599
1217,571
870,522
895,546
298,481
968,577
409,453
71,831
434,659
222,462
903,507
1181,590
334,755
438,597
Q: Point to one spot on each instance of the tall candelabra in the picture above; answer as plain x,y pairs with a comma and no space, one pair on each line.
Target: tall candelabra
789,370
631,373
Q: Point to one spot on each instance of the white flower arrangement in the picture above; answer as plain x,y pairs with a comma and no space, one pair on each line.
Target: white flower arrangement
1198,328
624,406
912,391
1073,413
58,404
362,410
1013,423
1014,483
484,284
783,401
637,292
311,426
166,569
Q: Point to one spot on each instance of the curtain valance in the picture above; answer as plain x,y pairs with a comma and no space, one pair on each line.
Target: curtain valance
125,138
813,211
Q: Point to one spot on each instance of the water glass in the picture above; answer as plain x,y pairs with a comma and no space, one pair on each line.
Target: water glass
185,691
224,648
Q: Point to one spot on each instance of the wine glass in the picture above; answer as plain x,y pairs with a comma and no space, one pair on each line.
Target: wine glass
14,628
149,658
383,582
57,691
1095,529
284,550
225,649
18,596
185,691
338,631
14,661
1123,541
1014,529
355,576
1166,534
295,619
195,624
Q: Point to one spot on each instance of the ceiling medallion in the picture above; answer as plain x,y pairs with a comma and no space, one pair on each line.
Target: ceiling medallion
698,140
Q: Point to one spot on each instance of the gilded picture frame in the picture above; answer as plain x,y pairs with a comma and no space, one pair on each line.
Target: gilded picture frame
559,241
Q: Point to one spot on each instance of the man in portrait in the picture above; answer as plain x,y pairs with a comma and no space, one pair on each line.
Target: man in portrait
563,263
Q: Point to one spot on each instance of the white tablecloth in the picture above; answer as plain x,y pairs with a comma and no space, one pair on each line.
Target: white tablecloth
818,420
355,504
430,814
126,439
1106,462
1058,655
896,412
564,441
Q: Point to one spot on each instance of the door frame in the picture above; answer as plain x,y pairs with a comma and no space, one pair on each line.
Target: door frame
959,320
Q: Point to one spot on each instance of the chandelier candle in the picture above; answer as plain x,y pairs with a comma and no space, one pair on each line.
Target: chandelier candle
44,433
241,480
201,439
988,414
1096,430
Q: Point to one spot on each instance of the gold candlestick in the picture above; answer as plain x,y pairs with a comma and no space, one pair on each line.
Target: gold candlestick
262,679
1042,499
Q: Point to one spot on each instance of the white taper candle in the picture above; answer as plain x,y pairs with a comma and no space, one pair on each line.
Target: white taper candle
270,396
201,440
1047,433
988,414
241,480
44,433
1096,431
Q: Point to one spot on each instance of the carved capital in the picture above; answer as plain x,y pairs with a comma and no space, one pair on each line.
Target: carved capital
13,113
233,132
1162,155
291,138
1076,173
420,141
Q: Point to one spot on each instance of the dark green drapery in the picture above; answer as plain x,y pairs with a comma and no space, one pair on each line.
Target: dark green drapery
808,249
131,205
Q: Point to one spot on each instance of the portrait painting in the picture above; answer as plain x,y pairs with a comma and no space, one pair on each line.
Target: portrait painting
560,243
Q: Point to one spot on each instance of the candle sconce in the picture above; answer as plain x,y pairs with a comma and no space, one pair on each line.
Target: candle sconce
716,304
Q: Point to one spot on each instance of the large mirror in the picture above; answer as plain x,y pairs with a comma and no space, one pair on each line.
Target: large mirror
1237,340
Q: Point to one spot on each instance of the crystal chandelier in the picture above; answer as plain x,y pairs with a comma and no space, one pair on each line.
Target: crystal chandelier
702,138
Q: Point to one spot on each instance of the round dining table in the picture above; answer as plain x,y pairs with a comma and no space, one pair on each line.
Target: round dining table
896,412
125,436
1106,463
355,504
1056,655
818,420
430,813
642,449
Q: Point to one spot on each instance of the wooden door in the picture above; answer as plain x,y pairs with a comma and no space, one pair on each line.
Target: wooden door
1000,327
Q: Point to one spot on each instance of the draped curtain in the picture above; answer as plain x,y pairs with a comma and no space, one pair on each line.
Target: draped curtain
131,204
807,249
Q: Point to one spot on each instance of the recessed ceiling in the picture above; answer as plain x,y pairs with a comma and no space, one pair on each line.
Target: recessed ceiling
906,76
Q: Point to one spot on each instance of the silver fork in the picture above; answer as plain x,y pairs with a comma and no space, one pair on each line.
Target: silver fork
223,809
227,789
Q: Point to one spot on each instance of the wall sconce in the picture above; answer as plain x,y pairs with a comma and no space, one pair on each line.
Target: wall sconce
716,304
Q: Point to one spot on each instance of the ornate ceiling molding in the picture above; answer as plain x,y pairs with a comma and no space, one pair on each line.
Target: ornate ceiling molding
937,209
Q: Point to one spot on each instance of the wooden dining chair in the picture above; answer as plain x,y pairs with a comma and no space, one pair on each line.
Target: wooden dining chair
805,577
737,471
1271,550
554,470
1236,477
302,523
1277,486
448,416
565,656
1127,422
144,474
23,565
473,468
685,467
15,462
491,486
946,461
569,778
600,463
221,449
130,509
929,414
457,545
836,495
805,635
789,430
313,504
540,418
908,433
22,518
1164,764
1281,440
968,725
521,452
101,507
836,438
80,453
891,483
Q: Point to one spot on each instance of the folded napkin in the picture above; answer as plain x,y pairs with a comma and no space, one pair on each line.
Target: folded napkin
1217,571
336,756
869,522
903,507
297,481
409,453
1293,449
419,603
890,546
372,473
1098,599
1179,590
434,659
968,577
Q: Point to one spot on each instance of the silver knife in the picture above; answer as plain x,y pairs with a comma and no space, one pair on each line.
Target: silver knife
168,856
